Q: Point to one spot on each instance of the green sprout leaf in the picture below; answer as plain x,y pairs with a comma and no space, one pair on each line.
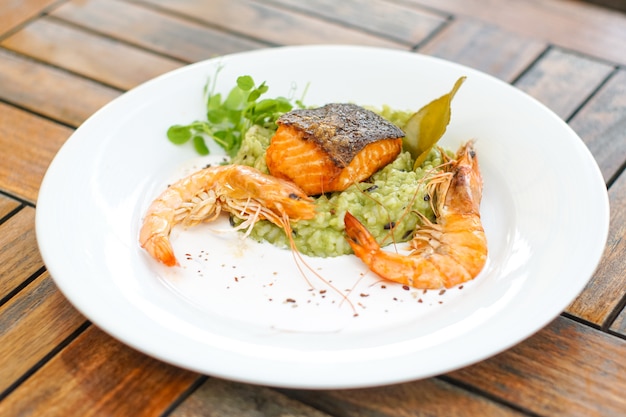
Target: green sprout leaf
229,118
178,134
200,146
245,82
426,126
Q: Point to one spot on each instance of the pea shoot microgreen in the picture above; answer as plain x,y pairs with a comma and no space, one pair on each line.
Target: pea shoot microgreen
229,117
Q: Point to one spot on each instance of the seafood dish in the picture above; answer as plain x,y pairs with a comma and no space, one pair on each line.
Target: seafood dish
316,157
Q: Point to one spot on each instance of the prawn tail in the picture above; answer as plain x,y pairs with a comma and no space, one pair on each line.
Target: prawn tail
160,248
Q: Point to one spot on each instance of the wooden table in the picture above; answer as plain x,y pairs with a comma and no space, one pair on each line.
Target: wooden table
61,60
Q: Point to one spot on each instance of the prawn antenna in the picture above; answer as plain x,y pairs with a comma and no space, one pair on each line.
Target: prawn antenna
299,261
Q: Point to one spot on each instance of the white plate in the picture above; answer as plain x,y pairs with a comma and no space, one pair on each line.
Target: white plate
227,313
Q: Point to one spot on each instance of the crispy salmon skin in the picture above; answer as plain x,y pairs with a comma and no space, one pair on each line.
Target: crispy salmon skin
331,147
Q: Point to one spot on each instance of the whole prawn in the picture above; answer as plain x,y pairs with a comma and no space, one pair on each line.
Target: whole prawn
446,253
237,189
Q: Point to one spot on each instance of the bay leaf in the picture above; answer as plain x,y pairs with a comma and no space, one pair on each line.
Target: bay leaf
426,126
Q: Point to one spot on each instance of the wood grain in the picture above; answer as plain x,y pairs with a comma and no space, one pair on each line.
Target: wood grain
57,94
271,24
485,47
606,290
575,25
36,140
15,13
619,325
170,35
429,397
217,397
89,55
97,376
19,256
409,25
602,125
567,369
563,81
7,205
32,324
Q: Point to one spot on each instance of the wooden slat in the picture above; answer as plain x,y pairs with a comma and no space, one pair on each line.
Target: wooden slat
615,4
89,55
97,376
606,289
575,25
36,141
486,47
567,369
32,324
429,397
151,29
619,325
409,25
602,125
563,81
19,257
216,398
49,91
15,13
271,24
7,205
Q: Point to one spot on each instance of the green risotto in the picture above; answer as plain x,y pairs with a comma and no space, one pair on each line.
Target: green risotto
387,204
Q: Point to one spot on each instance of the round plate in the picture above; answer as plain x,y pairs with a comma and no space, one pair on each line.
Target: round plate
251,312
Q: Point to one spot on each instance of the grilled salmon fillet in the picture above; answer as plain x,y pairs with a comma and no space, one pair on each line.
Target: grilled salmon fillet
331,147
